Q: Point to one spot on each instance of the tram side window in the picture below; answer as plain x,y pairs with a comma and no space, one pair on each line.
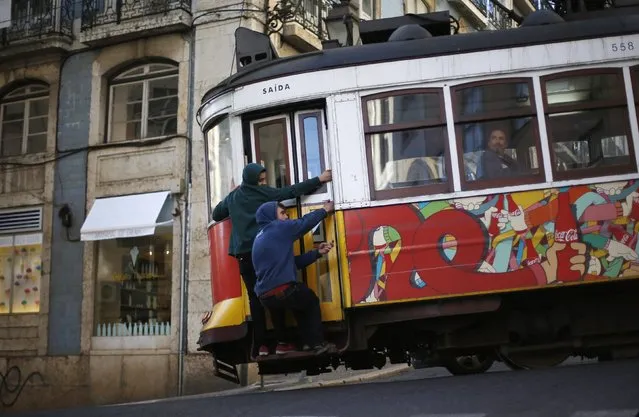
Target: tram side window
587,122
312,146
271,147
406,143
219,151
497,133
635,87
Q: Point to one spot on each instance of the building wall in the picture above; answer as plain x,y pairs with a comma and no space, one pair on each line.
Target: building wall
60,343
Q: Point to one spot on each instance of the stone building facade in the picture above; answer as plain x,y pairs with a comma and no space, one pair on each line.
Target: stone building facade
104,265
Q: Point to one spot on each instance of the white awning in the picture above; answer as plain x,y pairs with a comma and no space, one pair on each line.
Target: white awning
127,216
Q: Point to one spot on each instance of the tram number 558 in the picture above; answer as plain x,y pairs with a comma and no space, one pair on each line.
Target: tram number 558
622,46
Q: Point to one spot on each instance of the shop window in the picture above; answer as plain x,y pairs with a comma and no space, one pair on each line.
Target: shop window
587,122
144,103
497,134
20,261
133,291
24,113
406,143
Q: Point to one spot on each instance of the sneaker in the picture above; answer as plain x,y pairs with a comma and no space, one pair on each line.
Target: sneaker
320,348
283,348
264,351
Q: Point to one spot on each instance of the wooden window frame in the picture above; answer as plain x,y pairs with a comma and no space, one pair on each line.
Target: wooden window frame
122,78
444,187
284,122
610,104
492,116
25,99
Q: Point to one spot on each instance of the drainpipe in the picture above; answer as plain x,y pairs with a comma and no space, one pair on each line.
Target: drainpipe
186,234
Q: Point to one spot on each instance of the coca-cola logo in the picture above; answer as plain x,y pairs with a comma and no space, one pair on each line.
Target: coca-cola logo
569,235
625,238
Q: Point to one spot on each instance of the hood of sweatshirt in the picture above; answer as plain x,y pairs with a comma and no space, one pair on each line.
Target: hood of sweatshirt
251,173
266,214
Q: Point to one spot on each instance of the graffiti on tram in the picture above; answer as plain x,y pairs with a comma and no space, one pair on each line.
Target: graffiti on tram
492,243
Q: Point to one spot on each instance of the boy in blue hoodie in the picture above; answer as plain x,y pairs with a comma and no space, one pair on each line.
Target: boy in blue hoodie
275,265
241,205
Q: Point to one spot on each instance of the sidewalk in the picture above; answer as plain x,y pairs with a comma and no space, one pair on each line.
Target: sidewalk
275,383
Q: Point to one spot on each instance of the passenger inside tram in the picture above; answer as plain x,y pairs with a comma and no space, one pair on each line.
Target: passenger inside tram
496,162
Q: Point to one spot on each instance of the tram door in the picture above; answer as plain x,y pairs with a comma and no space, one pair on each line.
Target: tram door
293,148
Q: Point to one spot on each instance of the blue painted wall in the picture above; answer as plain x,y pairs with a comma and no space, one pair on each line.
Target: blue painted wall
67,252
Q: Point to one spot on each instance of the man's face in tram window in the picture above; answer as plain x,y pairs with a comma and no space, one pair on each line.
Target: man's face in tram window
497,142
262,179
281,212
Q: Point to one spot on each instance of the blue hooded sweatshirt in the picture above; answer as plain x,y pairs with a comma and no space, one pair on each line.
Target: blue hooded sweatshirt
273,257
242,203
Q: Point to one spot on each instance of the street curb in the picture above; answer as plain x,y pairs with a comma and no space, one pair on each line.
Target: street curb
279,387
384,372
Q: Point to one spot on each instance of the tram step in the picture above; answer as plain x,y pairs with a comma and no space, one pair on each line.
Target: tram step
226,371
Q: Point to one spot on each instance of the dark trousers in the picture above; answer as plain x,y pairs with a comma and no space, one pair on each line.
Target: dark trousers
305,306
257,310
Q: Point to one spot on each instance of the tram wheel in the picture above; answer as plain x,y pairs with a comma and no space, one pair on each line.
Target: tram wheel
469,364
519,361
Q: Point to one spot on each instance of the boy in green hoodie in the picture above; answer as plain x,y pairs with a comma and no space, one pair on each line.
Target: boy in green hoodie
241,205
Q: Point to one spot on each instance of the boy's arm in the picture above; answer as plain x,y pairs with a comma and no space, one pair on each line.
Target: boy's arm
221,211
299,227
293,191
302,261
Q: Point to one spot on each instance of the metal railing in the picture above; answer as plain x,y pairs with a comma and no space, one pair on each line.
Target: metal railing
33,19
103,12
498,18
309,14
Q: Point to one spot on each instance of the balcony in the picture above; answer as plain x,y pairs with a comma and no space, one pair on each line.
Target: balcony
475,11
497,18
301,23
37,26
109,21
525,7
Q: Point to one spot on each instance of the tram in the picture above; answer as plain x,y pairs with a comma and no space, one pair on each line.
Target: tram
485,185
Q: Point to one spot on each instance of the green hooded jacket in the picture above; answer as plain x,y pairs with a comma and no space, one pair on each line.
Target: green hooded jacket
242,203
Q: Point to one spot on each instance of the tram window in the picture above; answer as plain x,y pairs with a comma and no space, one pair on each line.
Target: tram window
272,151
219,161
406,143
634,75
587,122
497,133
312,145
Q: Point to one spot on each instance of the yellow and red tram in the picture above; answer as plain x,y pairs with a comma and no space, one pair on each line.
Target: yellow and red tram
486,192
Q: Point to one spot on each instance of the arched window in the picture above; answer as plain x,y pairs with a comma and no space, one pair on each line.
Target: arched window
25,118
144,103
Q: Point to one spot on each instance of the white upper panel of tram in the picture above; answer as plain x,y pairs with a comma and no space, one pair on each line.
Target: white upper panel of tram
436,71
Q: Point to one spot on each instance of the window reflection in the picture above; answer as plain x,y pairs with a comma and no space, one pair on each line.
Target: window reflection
408,108
220,162
409,158
312,146
587,123
588,139
583,89
270,143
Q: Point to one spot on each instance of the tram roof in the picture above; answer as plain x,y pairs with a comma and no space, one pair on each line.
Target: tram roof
429,47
